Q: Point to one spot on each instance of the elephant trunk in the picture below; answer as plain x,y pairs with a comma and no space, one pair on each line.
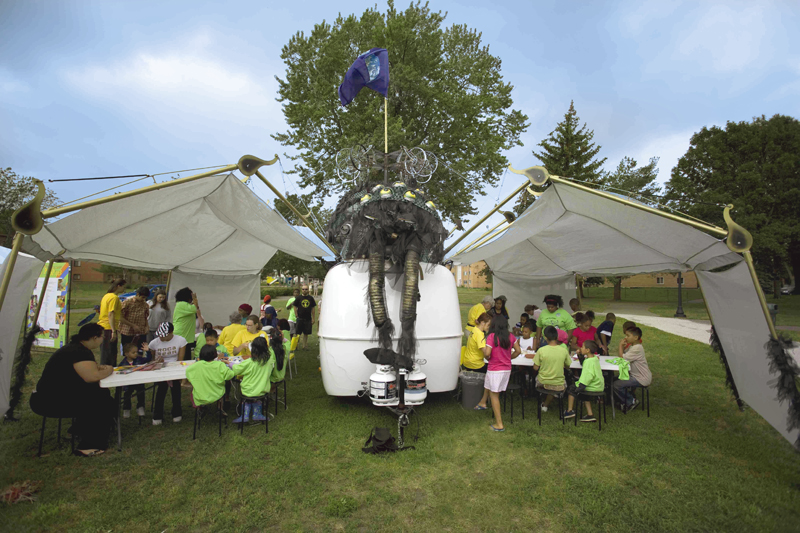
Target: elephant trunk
377,300
408,312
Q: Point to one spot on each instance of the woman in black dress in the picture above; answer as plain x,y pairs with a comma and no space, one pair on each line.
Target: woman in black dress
69,387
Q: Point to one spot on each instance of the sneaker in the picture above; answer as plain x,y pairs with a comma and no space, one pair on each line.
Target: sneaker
569,414
588,418
633,405
126,413
544,409
177,419
140,411
156,422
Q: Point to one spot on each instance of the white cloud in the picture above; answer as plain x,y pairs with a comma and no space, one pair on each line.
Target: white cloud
724,38
669,148
10,84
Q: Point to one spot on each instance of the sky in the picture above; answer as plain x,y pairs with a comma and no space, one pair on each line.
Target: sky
99,88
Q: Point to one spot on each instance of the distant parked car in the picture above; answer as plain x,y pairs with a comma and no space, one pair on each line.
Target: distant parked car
153,289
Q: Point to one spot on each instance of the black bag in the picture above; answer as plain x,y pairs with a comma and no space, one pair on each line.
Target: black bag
382,441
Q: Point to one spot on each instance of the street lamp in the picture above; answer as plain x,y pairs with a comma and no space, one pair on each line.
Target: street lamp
679,312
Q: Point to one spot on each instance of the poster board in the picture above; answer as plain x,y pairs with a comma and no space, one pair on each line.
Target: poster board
53,316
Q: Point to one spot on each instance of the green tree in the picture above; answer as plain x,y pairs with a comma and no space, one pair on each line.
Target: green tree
640,181
446,95
568,151
16,190
282,262
305,204
756,167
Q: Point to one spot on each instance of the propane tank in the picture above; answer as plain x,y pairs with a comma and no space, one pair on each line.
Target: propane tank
383,386
416,387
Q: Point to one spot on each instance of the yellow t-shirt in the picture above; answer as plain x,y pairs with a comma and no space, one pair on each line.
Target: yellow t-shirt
473,355
476,311
228,334
110,302
246,336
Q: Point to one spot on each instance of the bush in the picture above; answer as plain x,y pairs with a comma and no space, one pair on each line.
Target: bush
280,290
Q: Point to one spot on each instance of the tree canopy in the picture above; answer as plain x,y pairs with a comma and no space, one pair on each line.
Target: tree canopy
628,178
756,167
568,151
446,95
16,191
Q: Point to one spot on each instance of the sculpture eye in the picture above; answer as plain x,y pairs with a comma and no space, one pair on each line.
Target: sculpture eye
410,195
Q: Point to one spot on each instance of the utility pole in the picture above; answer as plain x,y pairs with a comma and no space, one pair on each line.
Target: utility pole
679,312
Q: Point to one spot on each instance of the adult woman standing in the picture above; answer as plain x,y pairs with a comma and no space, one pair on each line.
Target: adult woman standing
187,309
241,343
499,308
554,316
70,385
110,318
159,313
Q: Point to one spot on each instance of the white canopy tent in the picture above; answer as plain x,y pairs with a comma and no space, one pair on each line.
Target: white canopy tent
214,234
570,230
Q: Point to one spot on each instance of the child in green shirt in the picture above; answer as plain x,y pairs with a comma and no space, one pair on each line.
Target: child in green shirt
591,380
256,372
209,337
208,377
550,361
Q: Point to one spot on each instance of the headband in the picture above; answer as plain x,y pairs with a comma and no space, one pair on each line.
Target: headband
552,301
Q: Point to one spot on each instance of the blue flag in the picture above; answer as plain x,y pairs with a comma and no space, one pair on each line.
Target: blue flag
371,69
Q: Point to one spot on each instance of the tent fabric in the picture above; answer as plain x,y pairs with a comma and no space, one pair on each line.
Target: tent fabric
743,331
521,292
218,296
214,226
15,307
568,230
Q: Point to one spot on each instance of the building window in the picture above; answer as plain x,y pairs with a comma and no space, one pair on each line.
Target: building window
76,277
659,280
77,263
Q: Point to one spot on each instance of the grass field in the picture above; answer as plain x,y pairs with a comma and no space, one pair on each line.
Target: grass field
697,464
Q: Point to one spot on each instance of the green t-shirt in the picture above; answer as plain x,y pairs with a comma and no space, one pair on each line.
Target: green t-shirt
208,380
552,360
292,314
591,375
278,375
184,318
560,319
255,377
200,339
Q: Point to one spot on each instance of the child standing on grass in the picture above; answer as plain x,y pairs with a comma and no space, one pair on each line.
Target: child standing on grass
256,372
131,357
208,377
501,347
591,380
550,361
605,330
640,375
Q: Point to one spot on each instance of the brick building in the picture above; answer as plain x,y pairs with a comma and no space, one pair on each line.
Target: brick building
657,280
470,276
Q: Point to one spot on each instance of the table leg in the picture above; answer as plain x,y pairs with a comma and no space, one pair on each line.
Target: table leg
610,385
118,399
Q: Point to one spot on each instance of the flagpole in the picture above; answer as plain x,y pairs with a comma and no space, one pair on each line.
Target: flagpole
386,125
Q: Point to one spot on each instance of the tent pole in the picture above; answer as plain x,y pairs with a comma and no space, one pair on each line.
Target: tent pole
12,259
470,245
761,298
296,212
69,296
41,293
490,213
49,213
169,279
484,240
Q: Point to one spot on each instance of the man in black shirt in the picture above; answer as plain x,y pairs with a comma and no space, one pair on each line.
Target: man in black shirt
305,306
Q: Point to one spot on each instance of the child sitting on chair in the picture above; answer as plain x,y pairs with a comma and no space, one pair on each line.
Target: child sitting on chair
132,358
209,338
256,372
208,377
591,381
523,319
631,349
550,361
584,332
526,341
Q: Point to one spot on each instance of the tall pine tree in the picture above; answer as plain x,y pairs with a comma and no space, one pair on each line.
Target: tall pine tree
568,151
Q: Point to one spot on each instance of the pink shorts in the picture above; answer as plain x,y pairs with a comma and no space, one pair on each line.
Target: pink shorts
497,380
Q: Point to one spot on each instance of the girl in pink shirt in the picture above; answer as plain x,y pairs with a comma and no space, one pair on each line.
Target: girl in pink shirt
501,347
584,332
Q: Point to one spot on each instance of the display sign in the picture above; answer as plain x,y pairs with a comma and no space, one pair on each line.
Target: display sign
53,316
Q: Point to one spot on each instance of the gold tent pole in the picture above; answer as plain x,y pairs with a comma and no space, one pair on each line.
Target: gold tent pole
296,212
761,298
41,293
483,240
490,213
12,259
484,234
49,213
386,125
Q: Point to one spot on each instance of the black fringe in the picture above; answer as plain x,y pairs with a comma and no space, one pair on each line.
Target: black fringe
23,360
716,345
385,334
408,338
783,364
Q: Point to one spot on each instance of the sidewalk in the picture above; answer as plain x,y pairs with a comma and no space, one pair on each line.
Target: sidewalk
697,330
